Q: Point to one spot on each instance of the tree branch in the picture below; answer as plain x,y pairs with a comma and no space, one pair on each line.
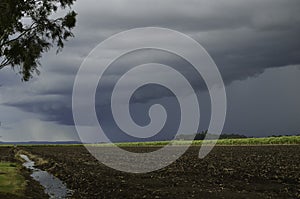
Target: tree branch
4,63
32,27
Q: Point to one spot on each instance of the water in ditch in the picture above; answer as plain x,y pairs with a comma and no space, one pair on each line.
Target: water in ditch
54,187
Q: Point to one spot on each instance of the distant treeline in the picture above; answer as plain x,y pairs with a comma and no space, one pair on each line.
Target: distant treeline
203,134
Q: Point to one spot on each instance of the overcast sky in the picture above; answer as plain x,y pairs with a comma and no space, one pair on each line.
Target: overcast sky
255,45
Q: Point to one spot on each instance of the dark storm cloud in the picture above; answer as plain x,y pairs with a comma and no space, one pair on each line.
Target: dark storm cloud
191,16
52,107
266,105
243,37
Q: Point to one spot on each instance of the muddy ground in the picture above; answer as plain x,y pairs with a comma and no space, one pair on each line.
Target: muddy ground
227,172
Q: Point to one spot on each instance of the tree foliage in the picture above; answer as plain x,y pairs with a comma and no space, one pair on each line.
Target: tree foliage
28,28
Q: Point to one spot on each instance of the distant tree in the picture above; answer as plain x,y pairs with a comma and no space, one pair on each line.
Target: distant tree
232,136
200,136
203,134
28,29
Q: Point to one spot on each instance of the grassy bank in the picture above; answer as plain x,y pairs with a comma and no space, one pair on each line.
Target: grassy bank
11,181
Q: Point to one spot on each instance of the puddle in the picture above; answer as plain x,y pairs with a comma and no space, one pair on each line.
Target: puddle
54,187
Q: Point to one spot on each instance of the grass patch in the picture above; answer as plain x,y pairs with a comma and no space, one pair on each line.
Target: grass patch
11,181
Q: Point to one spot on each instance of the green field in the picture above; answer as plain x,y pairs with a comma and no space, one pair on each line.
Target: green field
230,142
259,141
238,142
284,140
11,181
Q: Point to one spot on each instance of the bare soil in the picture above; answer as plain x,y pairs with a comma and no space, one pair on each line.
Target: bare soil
227,172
